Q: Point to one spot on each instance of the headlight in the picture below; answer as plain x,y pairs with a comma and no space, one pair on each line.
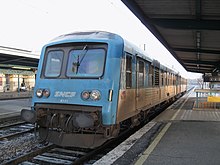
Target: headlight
46,92
95,95
85,95
39,93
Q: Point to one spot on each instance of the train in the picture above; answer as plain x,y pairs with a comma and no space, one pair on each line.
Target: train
92,85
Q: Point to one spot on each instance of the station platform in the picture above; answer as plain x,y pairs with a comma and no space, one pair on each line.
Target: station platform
178,136
11,103
15,95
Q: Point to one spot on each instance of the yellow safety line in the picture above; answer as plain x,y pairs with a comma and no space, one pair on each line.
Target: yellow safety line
152,146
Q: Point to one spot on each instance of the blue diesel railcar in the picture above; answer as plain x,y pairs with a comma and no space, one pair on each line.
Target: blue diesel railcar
91,84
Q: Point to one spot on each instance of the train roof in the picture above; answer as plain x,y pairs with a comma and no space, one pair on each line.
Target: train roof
133,49
103,35
88,35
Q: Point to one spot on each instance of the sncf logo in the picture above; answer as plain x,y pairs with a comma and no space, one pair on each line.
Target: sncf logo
64,94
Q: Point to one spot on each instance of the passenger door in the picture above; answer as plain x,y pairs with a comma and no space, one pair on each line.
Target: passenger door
127,92
140,94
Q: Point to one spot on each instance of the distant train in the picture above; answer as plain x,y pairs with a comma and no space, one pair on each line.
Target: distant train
90,85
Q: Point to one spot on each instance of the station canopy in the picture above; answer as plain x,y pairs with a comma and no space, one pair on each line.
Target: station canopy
17,59
189,29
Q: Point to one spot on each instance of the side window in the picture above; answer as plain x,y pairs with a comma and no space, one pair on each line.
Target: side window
156,78
178,80
174,79
147,74
170,80
165,74
140,74
162,78
128,71
151,77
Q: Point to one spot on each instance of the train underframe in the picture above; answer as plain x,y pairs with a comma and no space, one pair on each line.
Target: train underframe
81,126
78,126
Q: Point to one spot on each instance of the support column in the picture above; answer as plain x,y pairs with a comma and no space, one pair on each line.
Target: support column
18,83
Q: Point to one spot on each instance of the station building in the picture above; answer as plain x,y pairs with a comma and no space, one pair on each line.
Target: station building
10,79
17,69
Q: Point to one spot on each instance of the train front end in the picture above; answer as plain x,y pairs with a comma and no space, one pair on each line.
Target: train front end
76,91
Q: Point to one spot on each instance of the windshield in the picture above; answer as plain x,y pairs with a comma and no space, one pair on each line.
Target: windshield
86,63
53,63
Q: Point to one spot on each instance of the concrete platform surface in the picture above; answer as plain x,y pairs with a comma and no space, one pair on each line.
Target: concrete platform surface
15,95
13,107
190,142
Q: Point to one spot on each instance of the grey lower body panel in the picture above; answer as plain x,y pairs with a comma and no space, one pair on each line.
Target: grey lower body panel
72,139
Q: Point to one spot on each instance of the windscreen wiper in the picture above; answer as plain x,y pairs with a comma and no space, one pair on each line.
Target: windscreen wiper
78,63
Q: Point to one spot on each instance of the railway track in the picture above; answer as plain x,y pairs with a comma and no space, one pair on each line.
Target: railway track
52,154
12,130
9,120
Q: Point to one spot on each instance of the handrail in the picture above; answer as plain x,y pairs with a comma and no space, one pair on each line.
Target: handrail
204,91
